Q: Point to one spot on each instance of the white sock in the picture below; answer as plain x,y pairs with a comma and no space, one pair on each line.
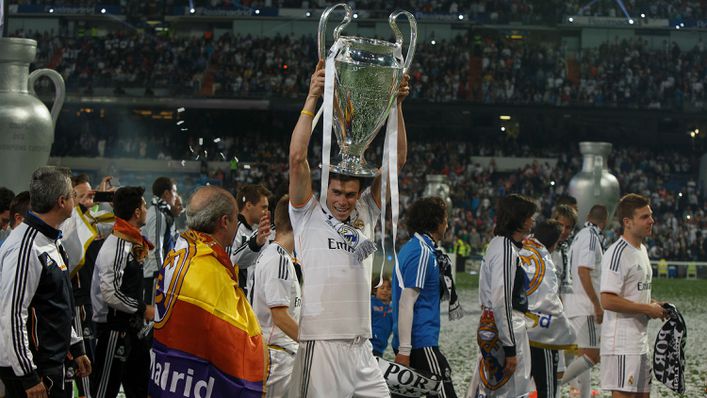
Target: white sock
585,384
576,368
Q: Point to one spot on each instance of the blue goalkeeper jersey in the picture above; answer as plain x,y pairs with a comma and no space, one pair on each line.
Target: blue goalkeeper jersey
418,268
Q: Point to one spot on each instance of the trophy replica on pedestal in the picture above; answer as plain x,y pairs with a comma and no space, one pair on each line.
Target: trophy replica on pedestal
26,125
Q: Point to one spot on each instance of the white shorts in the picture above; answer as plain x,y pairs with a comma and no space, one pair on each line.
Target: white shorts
281,364
587,330
337,368
629,373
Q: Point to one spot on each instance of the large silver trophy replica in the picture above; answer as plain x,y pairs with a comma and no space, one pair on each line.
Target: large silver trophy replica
367,75
26,125
594,184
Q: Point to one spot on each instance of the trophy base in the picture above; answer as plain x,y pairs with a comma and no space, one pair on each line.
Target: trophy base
354,169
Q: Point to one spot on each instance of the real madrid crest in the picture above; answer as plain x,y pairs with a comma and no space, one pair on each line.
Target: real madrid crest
358,223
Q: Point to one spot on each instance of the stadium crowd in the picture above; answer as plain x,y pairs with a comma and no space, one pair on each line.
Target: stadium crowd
492,11
618,73
668,178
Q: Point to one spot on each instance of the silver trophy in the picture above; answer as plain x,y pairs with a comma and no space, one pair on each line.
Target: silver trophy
368,74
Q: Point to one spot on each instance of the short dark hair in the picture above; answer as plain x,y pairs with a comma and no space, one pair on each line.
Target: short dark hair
251,193
598,213
426,215
162,184
362,181
282,215
511,213
80,179
6,197
20,205
548,232
126,200
566,200
567,212
628,204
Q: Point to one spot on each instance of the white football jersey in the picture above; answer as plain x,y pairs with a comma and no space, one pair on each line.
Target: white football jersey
585,251
336,293
626,272
273,283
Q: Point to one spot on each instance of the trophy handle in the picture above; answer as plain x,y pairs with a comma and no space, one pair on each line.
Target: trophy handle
59,88
399,36
321,43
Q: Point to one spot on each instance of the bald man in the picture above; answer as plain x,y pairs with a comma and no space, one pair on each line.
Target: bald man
204,325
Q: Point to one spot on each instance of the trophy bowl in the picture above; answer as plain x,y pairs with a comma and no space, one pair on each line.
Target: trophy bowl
368,74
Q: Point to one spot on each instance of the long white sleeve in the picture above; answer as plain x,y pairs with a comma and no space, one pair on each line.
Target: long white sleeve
408,298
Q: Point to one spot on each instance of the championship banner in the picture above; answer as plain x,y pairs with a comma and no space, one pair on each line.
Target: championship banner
207,341
408,382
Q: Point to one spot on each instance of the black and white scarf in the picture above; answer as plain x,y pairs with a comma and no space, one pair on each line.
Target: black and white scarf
669,351
446,282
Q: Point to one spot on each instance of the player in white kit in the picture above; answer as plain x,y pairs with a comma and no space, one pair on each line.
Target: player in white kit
504,365
582,305
334,242
626,296
276,299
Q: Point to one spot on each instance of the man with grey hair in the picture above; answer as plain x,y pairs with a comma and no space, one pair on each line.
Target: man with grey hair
36,303
204,325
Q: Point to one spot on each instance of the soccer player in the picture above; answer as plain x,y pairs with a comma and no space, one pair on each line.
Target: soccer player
253,229
505,366
626,297
416,306
582,304
551,329
119,308
333,241
381,316
567,217
159,229
276,298
19,207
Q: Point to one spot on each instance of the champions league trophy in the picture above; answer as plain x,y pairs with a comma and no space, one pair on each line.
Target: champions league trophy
368,73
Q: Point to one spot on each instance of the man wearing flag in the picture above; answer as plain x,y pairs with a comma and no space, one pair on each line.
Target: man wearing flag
207,341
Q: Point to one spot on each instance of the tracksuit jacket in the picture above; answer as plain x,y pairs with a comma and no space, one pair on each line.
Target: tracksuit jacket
36,304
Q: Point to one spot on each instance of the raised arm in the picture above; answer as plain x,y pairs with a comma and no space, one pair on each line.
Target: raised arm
403,92
300,177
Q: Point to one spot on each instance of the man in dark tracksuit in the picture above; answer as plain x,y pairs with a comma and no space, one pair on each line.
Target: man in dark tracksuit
119,309
36,304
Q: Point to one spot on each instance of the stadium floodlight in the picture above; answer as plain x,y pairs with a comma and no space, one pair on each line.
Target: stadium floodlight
552,183
103,10
503,128
192,11
51,11
677,27
461,17
682,24
257,12
630,21
570,19
307,14
643,15
355,16
433,42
